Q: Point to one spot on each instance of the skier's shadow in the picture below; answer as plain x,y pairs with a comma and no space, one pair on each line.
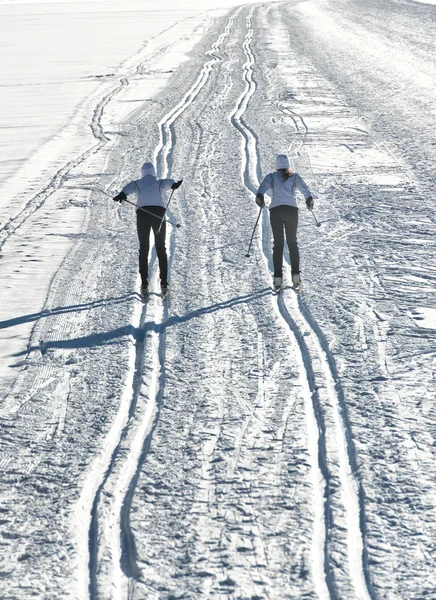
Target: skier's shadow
118,336
176,319
61,310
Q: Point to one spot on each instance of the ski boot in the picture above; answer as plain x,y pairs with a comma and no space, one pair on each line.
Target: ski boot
277,284
296,281
165,290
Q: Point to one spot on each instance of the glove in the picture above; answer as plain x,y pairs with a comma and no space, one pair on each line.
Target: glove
260,201
176,185
120,197
309,202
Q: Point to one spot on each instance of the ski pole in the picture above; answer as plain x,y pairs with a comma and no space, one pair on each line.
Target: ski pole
318,224
166,208
252,235
152,214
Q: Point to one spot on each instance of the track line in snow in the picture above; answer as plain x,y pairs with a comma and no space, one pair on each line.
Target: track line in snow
341,451
112,553
352,494
251,173
249,143
329,443
163,153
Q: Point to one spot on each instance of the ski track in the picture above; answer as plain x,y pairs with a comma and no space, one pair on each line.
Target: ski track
111,547
331,448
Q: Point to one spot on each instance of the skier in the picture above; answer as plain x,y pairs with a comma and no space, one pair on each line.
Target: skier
150,191
284,214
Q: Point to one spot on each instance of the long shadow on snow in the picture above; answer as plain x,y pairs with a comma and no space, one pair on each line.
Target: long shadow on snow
60,310
138,333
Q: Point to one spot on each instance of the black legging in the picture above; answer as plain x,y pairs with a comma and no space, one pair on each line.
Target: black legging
284,216
145,222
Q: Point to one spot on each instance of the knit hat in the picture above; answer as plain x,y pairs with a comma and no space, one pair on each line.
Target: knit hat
282,162
148,169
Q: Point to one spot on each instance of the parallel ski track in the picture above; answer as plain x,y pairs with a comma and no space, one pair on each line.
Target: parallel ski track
130,438
311,356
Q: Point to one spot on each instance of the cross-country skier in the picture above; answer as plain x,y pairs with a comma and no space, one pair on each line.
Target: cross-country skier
283,214
150,192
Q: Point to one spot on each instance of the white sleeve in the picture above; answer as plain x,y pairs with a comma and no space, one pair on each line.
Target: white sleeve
130,188
266,184
302,186
165,185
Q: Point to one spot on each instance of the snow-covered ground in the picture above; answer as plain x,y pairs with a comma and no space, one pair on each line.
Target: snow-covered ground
226,443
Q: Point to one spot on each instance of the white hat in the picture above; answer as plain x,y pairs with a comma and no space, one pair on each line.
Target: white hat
282,162
148,169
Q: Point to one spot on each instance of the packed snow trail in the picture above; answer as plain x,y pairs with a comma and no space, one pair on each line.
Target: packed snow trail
112,546
251,174
333,448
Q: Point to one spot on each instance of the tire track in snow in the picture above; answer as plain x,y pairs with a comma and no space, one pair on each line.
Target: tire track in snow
330,446
111,552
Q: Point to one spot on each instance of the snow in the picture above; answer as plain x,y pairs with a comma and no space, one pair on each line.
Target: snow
225,442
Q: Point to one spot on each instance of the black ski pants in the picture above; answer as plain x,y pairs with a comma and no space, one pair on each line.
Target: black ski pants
284,219
146,221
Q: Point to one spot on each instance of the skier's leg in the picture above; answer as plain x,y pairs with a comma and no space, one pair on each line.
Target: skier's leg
276,220
143,223
159,239
290,214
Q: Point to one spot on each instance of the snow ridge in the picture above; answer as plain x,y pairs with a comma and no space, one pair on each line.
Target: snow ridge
328,431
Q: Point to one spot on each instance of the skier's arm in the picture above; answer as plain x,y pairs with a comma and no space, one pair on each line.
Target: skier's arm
266,185
166,184
302,186
127,189
130,188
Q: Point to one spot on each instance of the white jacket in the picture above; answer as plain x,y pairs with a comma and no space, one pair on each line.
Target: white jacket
150,190
283,192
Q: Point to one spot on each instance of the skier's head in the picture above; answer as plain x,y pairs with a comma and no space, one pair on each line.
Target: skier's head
282,162
283,166
148,169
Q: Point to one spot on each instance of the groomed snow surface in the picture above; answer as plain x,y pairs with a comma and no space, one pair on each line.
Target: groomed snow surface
227,442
